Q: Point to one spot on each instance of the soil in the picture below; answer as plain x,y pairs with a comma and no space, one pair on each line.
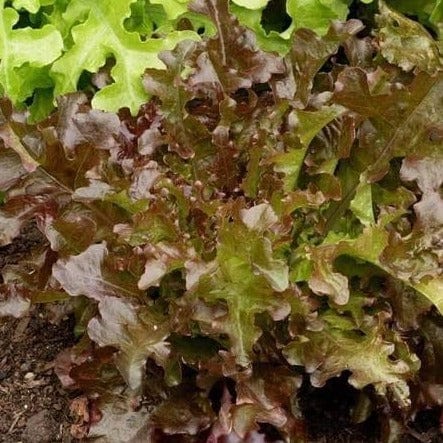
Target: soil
33,406
328,411
31,398
20,247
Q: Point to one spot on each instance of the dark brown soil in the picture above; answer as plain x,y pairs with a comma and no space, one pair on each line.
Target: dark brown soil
20,247
28,383
328,411
33,406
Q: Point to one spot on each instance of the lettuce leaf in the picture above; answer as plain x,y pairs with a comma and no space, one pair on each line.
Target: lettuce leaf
131,55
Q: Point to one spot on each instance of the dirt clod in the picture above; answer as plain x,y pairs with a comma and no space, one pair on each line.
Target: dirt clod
41,428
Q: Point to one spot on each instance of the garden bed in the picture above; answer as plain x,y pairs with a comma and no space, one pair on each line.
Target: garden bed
221,221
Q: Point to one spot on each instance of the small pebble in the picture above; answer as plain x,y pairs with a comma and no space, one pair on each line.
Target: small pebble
29,376
25,367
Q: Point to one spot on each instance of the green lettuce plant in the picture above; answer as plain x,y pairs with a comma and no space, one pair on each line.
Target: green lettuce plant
103,47
61,40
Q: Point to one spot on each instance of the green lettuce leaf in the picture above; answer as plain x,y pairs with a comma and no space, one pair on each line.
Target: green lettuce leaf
253,19
173,8
316,14
26,48
137,334
326,354
252,4
248,279
372,246
132,56
396,33
31,5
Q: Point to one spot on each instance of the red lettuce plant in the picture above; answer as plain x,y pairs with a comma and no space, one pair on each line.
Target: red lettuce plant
261,218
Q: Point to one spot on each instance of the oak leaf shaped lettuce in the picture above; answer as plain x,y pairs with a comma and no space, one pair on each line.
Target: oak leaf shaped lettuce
136,332
248,279
326,354
98,32
86,274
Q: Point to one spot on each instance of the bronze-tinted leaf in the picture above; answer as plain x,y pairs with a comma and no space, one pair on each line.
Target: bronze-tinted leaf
86,274
137,333
14,300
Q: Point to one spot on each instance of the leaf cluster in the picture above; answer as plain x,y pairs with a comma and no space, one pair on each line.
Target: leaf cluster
53,47
263,218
